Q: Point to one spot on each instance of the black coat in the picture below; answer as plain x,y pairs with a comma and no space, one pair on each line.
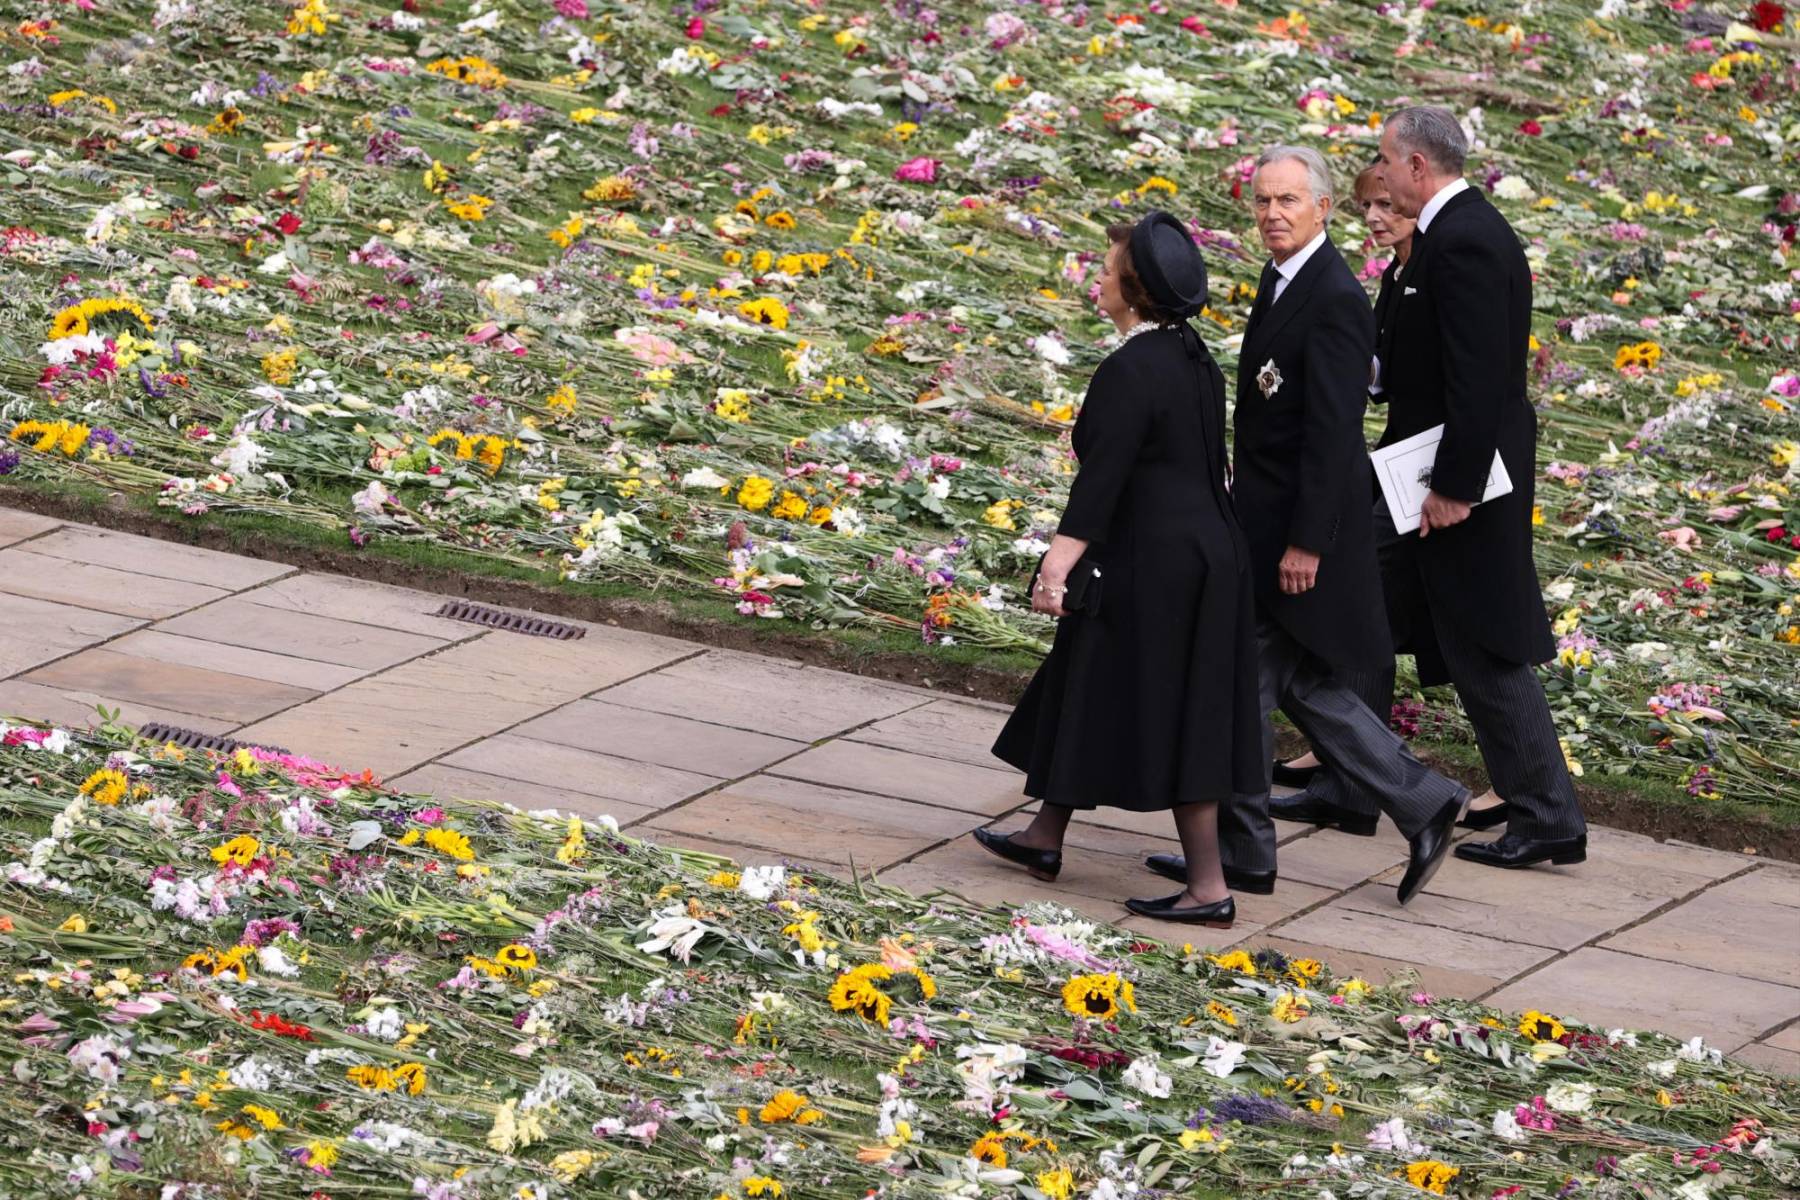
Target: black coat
1302,472
1458,346
1152,701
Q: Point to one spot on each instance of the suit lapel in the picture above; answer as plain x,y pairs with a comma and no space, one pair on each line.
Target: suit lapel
1274,318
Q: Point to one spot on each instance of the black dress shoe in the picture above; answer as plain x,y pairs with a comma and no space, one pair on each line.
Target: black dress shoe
1173,866
1512,850
1041,864
1487,818
1429,848
1218,915
1311,811
1295,777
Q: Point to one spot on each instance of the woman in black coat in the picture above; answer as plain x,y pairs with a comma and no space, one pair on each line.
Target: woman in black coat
1148,700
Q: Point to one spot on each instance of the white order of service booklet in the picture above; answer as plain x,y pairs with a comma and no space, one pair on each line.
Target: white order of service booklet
1404,472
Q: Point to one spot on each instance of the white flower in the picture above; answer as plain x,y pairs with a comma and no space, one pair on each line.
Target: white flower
1268,379
1697,1051
275,962
252,1074
759,883
100,1057
1050,348
1570,1097
371,499
241,456
1222,1057
386,1024
1621,1037
1662,1070
704,477
62,351
1145,1075
1512,187
675,932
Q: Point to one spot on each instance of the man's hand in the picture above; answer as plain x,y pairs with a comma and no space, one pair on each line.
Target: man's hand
1299,571
1441,512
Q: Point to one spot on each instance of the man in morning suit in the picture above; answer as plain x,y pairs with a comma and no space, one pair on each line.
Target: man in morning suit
1301,487
1464,588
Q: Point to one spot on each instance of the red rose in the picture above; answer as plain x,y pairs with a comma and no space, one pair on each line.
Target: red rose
288,223
1765,15
1530,128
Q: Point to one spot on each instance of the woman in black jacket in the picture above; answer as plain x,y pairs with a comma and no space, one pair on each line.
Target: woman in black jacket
1148,700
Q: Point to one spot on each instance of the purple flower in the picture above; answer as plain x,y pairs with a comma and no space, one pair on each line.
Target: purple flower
1251,1110
9,460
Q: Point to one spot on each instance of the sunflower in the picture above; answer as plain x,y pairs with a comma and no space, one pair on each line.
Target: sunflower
1304,970
240,851
490,452
855,991
1541,1027
1098,997
990,1148
1236,961
410,1076
448,841
516,957
370,1078
780,220
789,1106
1431,1175
1221,1013
105,786
766,310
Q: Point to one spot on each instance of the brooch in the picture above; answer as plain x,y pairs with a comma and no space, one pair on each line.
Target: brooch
1269,379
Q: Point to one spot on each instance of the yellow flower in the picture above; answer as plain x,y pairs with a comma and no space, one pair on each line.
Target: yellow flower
789,1106
1785,454
1304,970
1237,961
278,365
516,957
855,991
469,69
612,189
756,493
1431,1175
1058,1184
310,18
762,1185
320,1155
77,318
766,310
1098,997
990,1148
410,1076
1221,1013
75,924
448,841
1193,1138
370,1077
790,507
472,207
105,786
1289,1007
240,850
780,220
1541,1027
1644,355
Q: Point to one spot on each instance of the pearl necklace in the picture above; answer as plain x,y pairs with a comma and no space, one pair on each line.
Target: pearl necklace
1140,327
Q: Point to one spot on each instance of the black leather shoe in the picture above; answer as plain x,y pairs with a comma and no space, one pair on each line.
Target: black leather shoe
1294,777
1430,847
1308,810
1219,915
1173,866
1511,850
1487,818
1041,864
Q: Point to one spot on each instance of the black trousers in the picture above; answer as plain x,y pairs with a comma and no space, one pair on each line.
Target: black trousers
1504,701
1345,732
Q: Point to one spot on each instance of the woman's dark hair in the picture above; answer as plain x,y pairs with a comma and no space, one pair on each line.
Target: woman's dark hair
1130,285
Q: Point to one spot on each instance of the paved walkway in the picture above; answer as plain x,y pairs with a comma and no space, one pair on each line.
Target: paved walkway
766,760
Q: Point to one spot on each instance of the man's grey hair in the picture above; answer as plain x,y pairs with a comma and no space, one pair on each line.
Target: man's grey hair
1434,132
1318,175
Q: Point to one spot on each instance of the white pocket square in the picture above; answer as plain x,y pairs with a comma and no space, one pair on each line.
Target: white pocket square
1409,291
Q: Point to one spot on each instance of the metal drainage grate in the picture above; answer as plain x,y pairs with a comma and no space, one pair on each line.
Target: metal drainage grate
481,614
190,739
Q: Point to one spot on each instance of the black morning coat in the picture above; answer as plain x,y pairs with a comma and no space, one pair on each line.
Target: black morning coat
1454,353
1152,701
1303,476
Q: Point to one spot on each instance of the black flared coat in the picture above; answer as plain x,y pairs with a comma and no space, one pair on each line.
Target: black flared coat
1151,702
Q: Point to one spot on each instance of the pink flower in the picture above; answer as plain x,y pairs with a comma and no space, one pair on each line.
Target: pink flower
575,10
917,170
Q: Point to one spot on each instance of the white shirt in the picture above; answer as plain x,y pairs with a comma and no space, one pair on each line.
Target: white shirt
1432,207
1436,204
1285,271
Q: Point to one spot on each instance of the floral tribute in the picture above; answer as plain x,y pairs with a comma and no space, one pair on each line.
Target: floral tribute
254,974
790,305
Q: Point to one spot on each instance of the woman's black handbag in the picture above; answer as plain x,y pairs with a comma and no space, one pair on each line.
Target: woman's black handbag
1083,594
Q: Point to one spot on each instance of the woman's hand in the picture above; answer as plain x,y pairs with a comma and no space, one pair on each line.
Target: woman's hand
1053,575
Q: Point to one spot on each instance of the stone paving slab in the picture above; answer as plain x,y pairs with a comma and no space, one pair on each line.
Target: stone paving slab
825,825
1761,1054
1787,1038
1378,968
462,693
90,585
764,695
178,651
1708,931
437,779
365,603
715,750
1393,932
604,776
16,526
36,702
1607,988
943,729
106,672
238,621
39,631
158,558
937,781
1535,924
